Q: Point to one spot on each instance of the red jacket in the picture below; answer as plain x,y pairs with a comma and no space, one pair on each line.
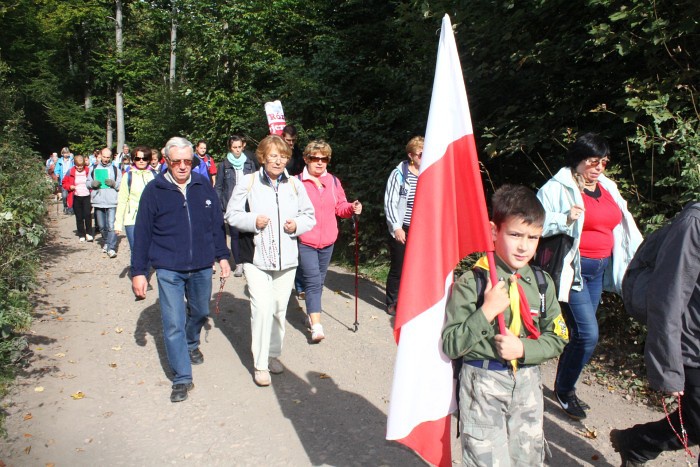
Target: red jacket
69,180
328,203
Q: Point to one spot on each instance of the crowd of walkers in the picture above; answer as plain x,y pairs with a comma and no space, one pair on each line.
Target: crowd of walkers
279,207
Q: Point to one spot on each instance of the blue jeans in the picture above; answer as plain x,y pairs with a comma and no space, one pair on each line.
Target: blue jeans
105,222
129,230
314,265
182,323
580,317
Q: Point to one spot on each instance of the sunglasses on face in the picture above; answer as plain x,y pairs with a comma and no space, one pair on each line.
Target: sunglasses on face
319,159
137,158
594,161
187,162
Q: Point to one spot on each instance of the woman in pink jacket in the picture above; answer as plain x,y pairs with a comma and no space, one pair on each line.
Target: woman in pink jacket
316,246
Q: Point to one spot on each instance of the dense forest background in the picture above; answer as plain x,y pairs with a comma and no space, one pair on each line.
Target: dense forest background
359,74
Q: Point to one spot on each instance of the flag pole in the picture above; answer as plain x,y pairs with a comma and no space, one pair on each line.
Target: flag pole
494,280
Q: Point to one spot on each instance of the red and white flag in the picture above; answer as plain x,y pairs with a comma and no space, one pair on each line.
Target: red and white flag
449,222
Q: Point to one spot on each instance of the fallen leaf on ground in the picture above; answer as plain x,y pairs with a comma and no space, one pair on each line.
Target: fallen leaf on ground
39,348
118,330
373,317
60,318
117,347
50,464
323,376
27,416
71,361
589,433
112,365
296,401
78,395
59,355
27,435
27,450
39,389
103,333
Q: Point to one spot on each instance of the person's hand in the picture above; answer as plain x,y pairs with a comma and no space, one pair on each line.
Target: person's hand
139,284
95,184
118,232
290,226
110,183
496,300
261,222
509,346
575,213
400,236
675,393
72,188
225,268
357,207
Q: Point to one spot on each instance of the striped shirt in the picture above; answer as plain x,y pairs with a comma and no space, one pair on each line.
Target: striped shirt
412,181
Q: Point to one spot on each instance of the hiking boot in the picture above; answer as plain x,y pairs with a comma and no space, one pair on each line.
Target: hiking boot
196,357
619,443
317,332
570,404
238,272
180,391
112,254
391,310
89,237
275,366
262,377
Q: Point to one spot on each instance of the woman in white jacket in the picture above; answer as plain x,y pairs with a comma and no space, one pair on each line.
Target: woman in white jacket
582,202
270,210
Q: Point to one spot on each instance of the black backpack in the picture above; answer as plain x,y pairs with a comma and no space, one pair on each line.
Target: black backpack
640,272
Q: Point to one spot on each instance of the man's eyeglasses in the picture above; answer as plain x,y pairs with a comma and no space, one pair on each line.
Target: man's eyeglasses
594,161
277,158
177,163
319,159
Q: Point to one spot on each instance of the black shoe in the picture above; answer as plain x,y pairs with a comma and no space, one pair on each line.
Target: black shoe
196,357
571,405
391,310
618,442
583,405
180,391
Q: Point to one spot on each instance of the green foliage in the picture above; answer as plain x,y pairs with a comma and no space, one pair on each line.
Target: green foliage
23,187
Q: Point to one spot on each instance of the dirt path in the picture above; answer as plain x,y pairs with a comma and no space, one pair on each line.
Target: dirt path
329,407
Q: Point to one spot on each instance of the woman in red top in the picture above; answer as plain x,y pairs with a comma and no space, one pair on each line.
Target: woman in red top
316,246
582,202
79,197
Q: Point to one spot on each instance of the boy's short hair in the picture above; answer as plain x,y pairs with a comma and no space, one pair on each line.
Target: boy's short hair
516,201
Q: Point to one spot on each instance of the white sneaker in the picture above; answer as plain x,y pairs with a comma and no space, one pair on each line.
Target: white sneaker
81,239
89,237
275,366
238,271
262,377
104,249
112,254
317,333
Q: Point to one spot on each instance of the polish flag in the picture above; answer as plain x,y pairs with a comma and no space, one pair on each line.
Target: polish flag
449,222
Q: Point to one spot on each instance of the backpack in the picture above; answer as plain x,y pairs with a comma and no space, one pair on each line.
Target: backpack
640,272
481,279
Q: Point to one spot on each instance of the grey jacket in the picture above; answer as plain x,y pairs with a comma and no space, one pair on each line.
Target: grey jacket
105,197
673,318
270,249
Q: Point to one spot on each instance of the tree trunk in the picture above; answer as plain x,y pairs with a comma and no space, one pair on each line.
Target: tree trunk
173,44
121,137
87,96
110,133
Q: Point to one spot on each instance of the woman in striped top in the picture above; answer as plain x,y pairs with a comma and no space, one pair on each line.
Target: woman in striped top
398,206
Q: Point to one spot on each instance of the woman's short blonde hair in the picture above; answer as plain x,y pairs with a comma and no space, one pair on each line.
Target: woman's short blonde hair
272,142
318,146
414,143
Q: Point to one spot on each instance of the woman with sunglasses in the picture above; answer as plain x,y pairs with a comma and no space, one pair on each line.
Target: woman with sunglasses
75,184
398,207
270,209
134,181
585,204
316,246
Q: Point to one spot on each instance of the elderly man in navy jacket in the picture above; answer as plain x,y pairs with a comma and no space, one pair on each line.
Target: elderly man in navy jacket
179,230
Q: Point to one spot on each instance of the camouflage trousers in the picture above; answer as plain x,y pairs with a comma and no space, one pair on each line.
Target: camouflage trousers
501,417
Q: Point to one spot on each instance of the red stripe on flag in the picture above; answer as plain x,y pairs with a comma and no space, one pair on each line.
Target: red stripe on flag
450,221
422,440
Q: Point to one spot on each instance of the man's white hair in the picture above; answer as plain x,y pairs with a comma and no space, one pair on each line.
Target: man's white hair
177,142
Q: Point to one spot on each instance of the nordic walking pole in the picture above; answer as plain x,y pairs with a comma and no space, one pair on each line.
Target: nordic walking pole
356,224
